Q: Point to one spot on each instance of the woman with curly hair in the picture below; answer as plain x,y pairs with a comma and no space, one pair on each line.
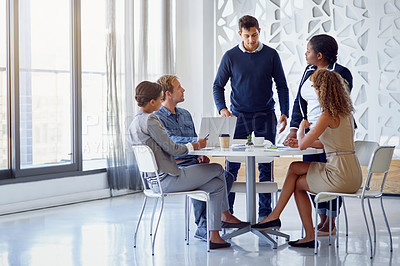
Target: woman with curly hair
333,131
321,53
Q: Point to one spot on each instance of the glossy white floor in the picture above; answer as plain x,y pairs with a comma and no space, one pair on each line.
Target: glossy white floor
101,233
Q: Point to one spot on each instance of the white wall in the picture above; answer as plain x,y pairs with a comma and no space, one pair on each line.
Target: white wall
195,63
368,33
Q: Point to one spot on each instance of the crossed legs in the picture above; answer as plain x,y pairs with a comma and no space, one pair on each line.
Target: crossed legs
296,183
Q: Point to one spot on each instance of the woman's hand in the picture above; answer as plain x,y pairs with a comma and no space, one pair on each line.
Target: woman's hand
304,125
292,135
292,142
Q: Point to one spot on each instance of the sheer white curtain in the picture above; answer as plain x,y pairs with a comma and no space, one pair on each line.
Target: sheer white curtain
139,47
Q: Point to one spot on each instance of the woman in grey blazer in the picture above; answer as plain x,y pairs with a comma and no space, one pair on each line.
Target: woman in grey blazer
147,129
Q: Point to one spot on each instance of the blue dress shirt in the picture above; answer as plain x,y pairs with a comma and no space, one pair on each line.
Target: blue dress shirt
179,126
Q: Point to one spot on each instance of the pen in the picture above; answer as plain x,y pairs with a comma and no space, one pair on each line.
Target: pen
206,136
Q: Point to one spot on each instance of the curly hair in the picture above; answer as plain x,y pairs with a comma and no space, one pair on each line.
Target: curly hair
147,91
333,94
165,82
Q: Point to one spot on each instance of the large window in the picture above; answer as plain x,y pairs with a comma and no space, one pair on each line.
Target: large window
45,83
3,88
94,83
63,81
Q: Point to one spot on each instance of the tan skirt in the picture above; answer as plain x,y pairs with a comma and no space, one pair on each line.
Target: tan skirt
341,173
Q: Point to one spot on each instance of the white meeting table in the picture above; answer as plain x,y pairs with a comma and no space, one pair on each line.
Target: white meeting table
250,162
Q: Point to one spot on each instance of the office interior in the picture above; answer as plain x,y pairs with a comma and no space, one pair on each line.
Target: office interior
68,70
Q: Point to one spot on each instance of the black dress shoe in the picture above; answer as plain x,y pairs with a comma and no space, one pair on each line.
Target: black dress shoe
309,244
219,245
234,225
274,224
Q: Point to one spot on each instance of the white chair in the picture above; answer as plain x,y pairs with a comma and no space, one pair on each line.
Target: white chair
147,164
363,150
379,163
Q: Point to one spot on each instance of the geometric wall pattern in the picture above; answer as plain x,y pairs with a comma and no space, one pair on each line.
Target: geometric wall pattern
368,34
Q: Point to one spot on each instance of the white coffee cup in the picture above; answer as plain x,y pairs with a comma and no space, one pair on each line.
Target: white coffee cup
258,141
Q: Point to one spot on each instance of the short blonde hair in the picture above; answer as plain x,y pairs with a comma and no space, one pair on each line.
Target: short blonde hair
166,84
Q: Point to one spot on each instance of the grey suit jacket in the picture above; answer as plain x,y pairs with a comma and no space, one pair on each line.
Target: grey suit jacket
147,129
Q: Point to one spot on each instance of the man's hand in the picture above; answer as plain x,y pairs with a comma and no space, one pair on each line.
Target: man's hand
203,159
283,122
201,143
292,135
225,113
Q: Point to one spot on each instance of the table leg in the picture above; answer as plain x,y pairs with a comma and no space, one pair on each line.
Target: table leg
251,188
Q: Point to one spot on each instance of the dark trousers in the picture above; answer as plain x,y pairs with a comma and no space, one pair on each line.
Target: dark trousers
199,207
264,125
323,207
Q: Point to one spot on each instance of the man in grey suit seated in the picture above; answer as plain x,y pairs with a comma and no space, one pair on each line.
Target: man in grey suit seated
180,128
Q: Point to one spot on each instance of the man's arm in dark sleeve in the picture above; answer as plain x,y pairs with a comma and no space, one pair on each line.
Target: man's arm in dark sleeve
281,85
222,77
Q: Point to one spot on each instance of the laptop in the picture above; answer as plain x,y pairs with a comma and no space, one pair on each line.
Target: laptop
214,126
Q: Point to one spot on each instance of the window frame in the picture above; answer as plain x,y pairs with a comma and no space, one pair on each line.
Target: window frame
53,171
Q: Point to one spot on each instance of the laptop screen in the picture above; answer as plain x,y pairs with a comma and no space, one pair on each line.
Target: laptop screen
214,126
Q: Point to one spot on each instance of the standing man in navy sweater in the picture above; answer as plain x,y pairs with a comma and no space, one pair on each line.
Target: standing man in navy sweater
251,67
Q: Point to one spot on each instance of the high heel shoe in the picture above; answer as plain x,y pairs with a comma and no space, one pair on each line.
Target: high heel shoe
274,224
309,244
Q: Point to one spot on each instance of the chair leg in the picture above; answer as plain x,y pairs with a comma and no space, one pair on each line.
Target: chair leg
345,218
187,219
373,223
138,223
208,223
387,225
346,223
152,216
155,230
337,222
330,222
316,229
366,225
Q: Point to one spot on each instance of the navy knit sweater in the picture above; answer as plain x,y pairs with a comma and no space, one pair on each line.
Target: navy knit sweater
251,76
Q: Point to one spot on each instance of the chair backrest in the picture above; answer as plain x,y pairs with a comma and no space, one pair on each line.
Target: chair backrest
379,164
145,158
147,164
381,160
364,150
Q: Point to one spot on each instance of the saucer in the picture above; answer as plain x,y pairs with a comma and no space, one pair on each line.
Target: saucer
259,145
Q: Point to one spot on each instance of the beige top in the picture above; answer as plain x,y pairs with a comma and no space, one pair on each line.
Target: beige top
341,172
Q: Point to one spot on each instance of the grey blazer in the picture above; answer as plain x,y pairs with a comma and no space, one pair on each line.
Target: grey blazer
147,129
